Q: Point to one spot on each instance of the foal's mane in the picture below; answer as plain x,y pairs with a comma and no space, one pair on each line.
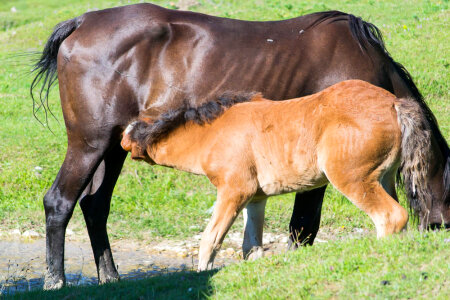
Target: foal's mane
147,134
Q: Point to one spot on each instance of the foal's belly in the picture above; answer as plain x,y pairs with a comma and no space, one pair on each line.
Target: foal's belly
286,181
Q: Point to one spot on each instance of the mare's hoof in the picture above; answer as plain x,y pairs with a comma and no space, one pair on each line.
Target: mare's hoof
51,282
292,245
108,278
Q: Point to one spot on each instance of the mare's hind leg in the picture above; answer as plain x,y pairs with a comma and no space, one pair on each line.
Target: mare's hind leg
388,183
305,219
253,231
76,171
95,204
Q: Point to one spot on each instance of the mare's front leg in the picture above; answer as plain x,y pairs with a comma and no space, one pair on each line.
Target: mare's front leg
305,219
230,201
253,229
95,204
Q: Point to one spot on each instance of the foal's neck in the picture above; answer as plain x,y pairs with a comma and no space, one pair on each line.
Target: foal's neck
182,149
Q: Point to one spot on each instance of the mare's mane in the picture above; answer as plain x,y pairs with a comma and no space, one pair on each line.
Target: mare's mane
146,134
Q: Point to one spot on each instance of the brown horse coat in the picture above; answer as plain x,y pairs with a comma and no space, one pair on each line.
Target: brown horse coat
350,135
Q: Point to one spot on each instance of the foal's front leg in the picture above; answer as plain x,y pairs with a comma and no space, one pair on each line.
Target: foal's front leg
228,205
253,229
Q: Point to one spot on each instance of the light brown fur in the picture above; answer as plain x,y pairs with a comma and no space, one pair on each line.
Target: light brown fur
348,135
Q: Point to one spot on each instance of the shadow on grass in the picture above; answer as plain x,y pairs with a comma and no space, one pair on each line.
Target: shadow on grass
179,285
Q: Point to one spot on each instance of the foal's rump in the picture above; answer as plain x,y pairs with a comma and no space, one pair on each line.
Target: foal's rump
359,153
360,157
360,135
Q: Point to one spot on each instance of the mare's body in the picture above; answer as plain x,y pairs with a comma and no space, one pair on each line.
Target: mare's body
115,64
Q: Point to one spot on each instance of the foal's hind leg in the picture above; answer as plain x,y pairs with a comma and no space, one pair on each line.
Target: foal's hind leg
253,231
95,204
388,216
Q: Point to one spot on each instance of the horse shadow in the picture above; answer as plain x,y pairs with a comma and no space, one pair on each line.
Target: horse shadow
186,284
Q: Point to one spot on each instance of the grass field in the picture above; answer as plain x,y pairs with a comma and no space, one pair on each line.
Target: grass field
147,200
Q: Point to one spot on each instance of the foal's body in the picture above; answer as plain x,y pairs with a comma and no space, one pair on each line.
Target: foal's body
348,135
281,147
284,138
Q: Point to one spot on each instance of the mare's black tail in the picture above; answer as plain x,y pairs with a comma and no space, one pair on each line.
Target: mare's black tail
45,67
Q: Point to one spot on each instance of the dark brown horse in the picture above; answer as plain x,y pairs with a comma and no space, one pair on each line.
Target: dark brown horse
116,63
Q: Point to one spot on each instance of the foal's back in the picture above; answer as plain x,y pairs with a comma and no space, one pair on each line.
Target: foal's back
295,145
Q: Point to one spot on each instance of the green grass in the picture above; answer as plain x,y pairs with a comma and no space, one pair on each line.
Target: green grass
398,267
151,202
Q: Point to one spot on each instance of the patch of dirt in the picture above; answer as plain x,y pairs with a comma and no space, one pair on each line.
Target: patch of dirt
22,256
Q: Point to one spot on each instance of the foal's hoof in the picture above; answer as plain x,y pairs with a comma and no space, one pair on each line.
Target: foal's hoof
254,253
205,267
53,283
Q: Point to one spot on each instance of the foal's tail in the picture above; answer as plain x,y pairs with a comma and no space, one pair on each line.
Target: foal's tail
45,67
416,153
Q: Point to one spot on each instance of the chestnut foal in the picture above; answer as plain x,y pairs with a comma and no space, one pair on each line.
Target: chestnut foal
352,134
